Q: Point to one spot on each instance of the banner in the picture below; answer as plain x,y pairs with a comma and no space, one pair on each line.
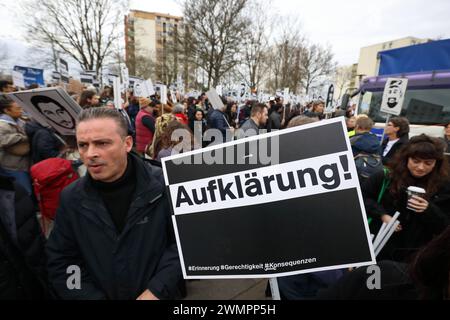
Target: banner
64,70
276,204
394,96
18,79
31,75
51,107
214,99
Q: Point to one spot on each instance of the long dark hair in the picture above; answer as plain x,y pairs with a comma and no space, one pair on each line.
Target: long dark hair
419,147
430,268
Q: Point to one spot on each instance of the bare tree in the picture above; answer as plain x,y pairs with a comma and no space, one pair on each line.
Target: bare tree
256,43
83,29
284,57
216,29
316,63
342,79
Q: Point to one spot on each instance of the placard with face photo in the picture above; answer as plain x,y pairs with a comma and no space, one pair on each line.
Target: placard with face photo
51,107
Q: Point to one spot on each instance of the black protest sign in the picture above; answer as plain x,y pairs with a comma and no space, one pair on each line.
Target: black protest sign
64,70
51,107
278,204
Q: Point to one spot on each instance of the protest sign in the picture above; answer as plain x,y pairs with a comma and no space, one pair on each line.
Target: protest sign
393,96
31,75
86,78
163,93
64,70
214,99
270,205
51,107
18,79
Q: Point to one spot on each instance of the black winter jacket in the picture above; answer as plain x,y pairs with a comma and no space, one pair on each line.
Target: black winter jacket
22,256
120,267
418,228
44,144
395,148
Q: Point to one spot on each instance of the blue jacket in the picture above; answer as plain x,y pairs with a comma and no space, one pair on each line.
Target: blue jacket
365,143
119,267
216,120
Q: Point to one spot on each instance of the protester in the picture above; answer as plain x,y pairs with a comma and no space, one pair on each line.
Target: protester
14,143
169,144
426,277
22,257
161,124
318,108
89,99
447,137
6,86
145,124
44,143
217,120
366,149
231,114
421,164
199,119
397,131
114,224
178,112
275,118
257,121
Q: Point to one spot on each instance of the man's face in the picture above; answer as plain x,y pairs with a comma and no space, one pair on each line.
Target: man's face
447,130
14,111
57,115
102,148
391,129
95,101
9,88
262,117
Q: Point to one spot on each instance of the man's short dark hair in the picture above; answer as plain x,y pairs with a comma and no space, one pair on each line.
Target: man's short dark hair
4,84
105,113
5,103
258,108
403,124
85,96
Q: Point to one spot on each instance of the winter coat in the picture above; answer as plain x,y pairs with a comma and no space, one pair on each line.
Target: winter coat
216,120
144,136
11,135
395,148
418,228
22,256
119,267
44,143
365,143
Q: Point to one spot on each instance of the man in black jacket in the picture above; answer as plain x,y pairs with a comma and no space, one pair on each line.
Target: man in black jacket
22,258
113,228
44,143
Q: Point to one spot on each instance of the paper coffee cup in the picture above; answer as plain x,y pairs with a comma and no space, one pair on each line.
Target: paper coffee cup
415,191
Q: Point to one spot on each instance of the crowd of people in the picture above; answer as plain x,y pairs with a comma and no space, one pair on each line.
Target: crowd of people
114,222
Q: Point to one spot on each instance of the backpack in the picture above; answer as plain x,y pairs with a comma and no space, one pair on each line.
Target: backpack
49,178
367,165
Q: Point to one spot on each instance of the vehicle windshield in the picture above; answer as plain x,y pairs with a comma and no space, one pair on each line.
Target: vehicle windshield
421,106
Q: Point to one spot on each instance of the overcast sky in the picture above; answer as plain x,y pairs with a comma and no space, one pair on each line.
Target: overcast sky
346,25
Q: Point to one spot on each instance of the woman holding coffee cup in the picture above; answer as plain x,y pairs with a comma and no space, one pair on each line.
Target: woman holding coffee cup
417,185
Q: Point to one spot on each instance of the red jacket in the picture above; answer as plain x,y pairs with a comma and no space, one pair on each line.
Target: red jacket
144,136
